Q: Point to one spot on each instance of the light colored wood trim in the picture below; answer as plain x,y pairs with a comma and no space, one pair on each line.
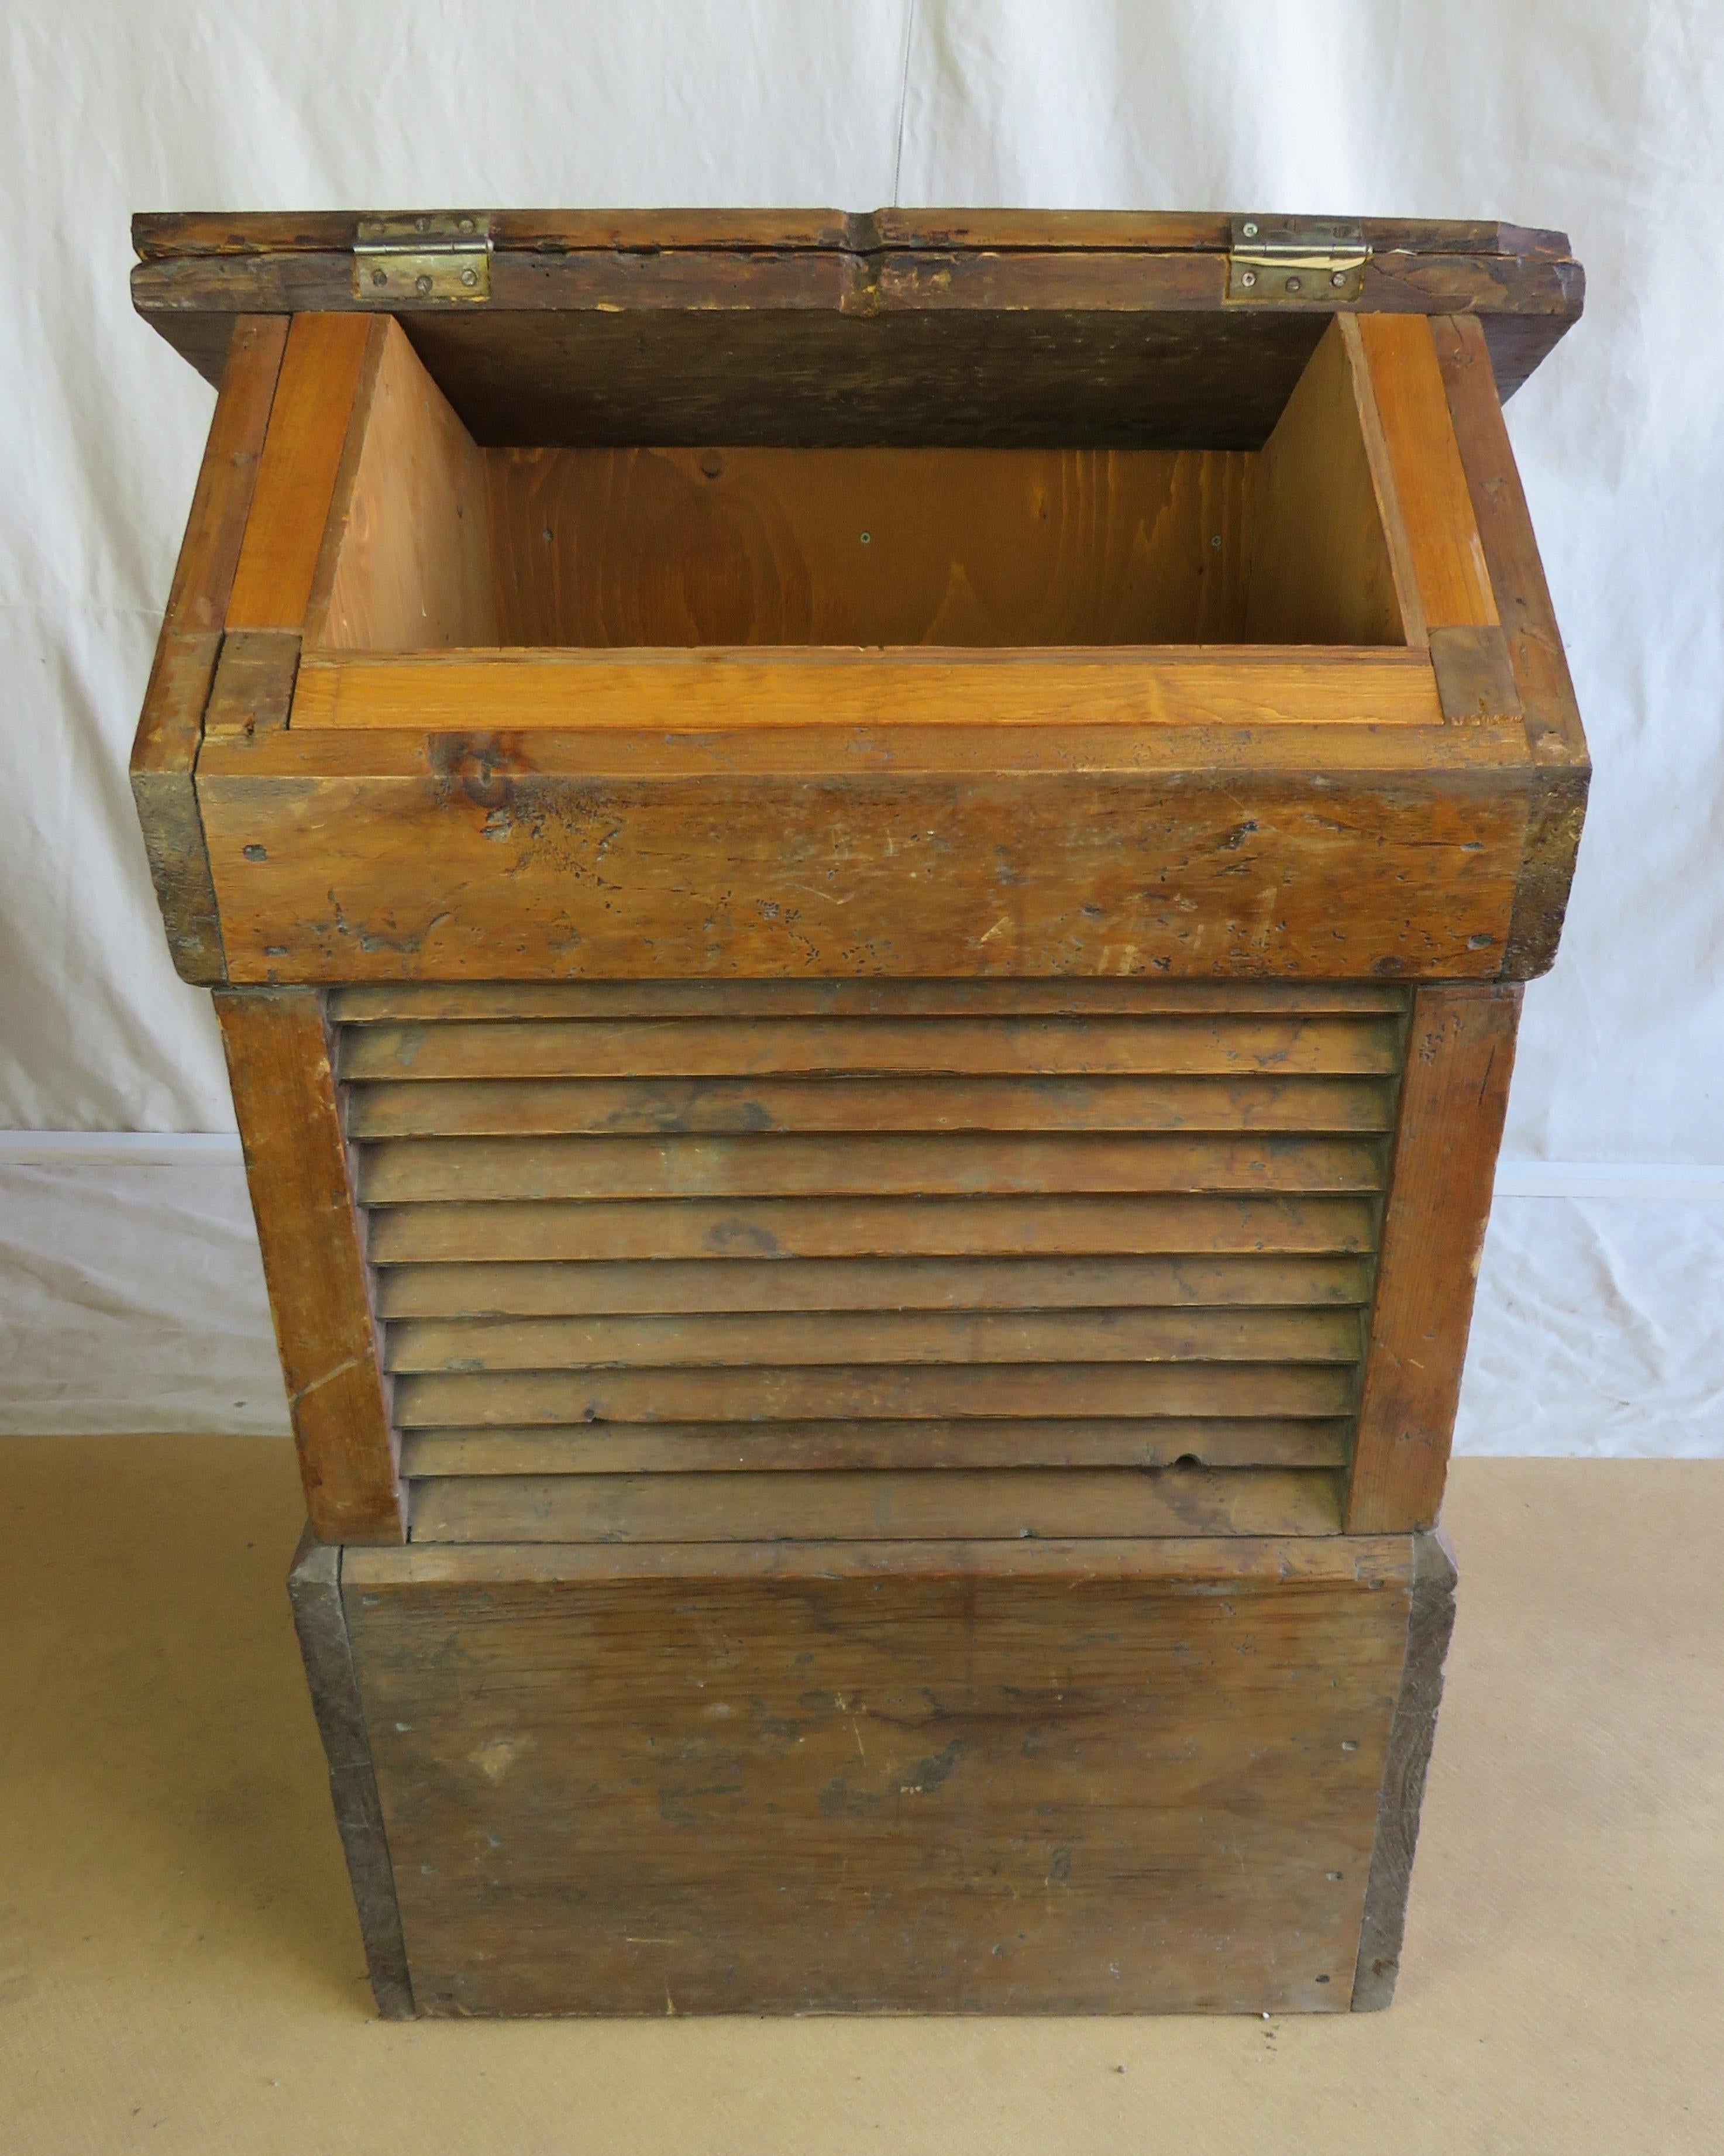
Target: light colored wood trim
1432,501
164,752
405,563
720,688
313,1242
1329,563
792,1447
1460,1050
820,1506
315,398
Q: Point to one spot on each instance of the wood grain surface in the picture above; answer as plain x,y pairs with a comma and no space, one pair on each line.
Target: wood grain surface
1105,1776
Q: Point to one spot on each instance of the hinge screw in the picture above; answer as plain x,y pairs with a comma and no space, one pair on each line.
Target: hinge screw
469,276
422,283
1337,276
380,276
1247,278
1250,231
1292,283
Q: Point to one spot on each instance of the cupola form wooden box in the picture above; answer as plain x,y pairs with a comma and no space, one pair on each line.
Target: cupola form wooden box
867,879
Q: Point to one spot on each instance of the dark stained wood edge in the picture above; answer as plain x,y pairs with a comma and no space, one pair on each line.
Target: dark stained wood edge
314,1588
253,690
170,730
1562,767
1459,1056
1430,1621
157,234
1474,681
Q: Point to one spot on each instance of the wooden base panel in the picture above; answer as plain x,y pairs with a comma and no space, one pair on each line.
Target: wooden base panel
1143,1776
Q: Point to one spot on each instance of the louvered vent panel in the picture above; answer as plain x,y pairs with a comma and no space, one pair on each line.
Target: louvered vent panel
710,1261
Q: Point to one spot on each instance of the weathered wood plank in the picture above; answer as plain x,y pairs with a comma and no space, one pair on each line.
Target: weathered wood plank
863,1227
895,1393
793,1447
824,1337
1453,1096
594,1288
1218,1045
947,1164
313,1245
819,1507
931,1789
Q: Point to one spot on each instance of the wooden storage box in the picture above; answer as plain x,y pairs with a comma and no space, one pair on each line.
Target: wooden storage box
867,881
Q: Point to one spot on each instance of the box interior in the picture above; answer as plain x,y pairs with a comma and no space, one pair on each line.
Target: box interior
438,542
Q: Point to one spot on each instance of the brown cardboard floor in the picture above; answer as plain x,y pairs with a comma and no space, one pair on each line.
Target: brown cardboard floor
180,1967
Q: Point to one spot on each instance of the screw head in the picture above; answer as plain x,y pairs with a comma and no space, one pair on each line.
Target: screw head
1292,283
469,276
1249,230
380,276
466,224
422,283
1337,276
1247,278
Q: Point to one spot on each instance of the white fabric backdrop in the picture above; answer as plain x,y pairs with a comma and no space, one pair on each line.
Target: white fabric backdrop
129,1295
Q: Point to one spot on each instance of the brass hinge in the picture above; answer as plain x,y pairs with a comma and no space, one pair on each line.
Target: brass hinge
1309,261
445,256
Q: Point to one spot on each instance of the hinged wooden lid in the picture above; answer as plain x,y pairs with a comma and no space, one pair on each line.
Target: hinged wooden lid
1109,328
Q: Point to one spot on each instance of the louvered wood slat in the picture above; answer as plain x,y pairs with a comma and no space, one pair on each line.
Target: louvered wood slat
819,1507
499,1107
957,1047
871,1258
430,1402
440,1171
910,1337
678,1286
1051,1226
792,1447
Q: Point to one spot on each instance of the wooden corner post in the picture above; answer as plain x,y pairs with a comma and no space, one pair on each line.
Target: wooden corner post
312,1233
1461,1050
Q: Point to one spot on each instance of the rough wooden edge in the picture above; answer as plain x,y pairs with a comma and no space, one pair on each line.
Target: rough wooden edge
1431,1620
1475,683
252,693
314,1588
1562,767
170,729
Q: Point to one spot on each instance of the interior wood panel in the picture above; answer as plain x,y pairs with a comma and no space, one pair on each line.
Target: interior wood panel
608,546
